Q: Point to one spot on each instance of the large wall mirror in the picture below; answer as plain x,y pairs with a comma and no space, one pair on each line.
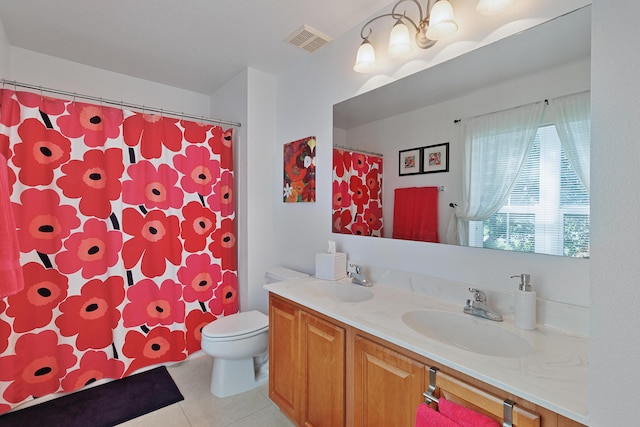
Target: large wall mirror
405,142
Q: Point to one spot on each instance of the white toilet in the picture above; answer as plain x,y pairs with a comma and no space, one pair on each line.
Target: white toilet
239,345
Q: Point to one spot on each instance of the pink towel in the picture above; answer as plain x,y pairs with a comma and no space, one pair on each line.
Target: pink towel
11,280
464,416
427,417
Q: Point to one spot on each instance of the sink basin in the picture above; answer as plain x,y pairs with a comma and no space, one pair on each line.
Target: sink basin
343,292
468,332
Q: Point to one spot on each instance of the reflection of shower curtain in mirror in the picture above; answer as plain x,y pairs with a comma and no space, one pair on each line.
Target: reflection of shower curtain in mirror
126,230
357,193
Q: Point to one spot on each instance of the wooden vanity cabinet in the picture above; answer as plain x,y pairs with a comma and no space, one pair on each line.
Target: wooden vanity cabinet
306,365
324,373
387,387
387,375
322,353
284,352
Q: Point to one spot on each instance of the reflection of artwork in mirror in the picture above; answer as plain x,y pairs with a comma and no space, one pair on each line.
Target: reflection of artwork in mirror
357,193
436,158
410,162
300,170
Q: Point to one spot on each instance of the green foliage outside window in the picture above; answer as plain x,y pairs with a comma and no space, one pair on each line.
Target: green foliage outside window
511,232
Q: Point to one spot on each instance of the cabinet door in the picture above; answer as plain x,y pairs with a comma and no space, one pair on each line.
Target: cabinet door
323,372
284,378
388,386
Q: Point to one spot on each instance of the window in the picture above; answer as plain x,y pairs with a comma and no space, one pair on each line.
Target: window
546,212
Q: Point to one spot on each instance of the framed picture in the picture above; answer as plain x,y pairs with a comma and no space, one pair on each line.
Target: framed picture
299,183
435,158
410,162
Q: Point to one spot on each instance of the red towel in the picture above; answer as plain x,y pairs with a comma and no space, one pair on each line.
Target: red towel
427,417
11,280
415,214
465,416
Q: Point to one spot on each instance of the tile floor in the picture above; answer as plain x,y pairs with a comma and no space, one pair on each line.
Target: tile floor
202,409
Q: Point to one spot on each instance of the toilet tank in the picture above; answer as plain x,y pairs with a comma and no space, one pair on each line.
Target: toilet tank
280,274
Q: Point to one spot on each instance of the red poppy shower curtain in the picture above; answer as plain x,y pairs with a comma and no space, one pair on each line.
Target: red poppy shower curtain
357,193
126,230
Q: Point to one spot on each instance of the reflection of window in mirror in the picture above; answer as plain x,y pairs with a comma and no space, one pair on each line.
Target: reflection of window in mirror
548,209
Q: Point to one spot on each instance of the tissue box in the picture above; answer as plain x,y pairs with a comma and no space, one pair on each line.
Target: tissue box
331,266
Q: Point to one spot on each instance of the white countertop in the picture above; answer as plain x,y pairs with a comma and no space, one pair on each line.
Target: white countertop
554,376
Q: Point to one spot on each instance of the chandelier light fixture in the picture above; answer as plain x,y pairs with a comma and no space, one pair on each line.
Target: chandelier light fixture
434,22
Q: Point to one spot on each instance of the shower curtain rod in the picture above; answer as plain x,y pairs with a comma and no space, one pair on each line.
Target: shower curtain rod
144,108
342,147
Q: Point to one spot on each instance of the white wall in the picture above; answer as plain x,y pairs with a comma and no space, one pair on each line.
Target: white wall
615,231
232,101
248,97
4,53
261,173
48,71
306,95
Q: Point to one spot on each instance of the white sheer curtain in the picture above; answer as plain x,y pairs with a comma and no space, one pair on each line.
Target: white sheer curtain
572,116
495,149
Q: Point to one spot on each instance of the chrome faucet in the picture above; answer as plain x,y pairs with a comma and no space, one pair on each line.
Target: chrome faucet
478,306
358,277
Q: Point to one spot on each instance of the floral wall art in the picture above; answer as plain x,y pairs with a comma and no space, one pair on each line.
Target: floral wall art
357,193
127,240
300,171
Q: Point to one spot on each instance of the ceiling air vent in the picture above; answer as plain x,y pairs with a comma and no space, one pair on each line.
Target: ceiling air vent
307,38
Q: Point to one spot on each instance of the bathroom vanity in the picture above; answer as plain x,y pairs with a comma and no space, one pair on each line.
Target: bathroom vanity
341,355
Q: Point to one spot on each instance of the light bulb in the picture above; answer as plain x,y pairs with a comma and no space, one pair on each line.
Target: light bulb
365,58
399,40
441,21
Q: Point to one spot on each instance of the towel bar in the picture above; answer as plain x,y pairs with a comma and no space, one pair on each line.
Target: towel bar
507,405
428,395
507,409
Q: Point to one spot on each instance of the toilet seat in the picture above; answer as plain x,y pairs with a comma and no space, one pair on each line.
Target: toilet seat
236,326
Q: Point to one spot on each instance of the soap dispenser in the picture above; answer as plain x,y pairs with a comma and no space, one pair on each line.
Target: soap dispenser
525,303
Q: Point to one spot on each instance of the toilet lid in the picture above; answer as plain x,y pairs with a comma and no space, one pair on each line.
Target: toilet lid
246,322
